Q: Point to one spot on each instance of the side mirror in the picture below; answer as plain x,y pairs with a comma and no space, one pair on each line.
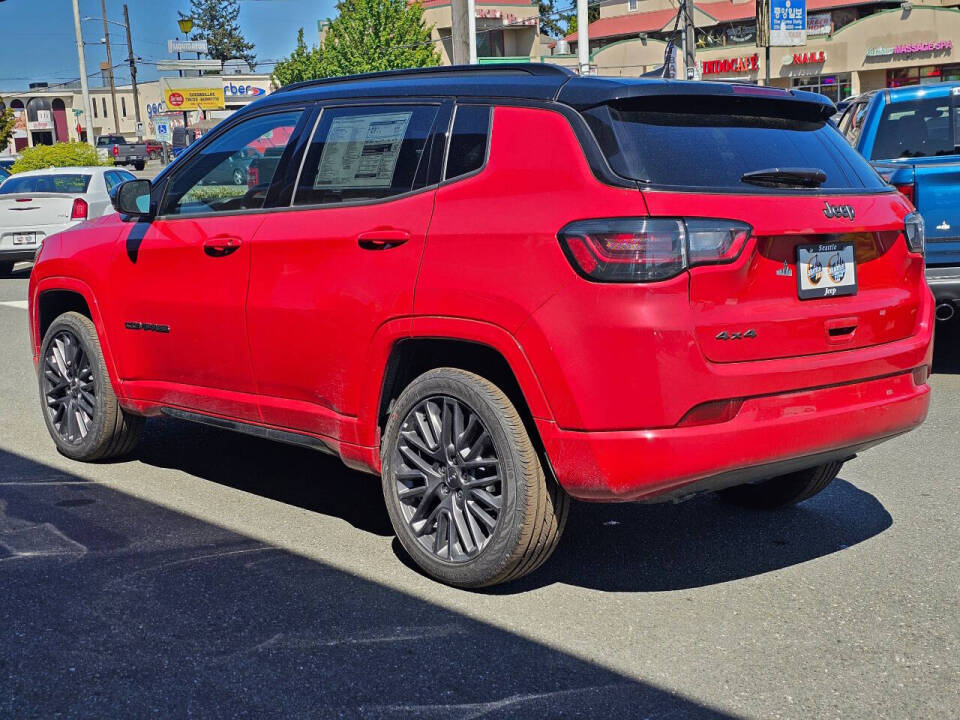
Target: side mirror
133,198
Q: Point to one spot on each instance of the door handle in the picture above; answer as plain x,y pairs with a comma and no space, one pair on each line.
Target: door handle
221,245
382,239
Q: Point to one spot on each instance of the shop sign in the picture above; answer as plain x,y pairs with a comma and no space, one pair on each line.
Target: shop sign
819,24
193,94
735,65
507,18
911,48
243,91
788,22
196,46
44,121
741,33
807,58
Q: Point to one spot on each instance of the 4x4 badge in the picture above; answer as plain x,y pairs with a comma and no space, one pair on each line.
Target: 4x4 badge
838,211
785,271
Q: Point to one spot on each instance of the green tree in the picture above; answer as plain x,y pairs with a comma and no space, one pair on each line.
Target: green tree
216,21
303,64
552,21
372,35
593,14
7,120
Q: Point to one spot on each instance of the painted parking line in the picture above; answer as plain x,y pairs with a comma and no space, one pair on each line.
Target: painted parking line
19,304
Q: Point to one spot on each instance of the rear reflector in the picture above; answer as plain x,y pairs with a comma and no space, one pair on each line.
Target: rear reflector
920,375
80,209
708,413
637,250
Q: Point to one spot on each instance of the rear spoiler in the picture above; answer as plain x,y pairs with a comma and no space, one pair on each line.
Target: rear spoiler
582,93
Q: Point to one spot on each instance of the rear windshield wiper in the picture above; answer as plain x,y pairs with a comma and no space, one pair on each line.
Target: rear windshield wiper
786,177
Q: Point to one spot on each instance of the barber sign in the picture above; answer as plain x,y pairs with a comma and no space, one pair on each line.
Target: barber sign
788,23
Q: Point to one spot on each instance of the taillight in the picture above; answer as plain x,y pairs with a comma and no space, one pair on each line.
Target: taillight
80,209
649,249
915,232
907,190
116,150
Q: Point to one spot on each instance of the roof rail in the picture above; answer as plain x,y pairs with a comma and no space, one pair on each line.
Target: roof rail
535,69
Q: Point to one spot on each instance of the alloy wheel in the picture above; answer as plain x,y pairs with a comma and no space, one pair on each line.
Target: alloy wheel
69,389
448,478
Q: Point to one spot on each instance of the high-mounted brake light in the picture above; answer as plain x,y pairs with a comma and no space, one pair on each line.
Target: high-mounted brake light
637,250
80,209
916,233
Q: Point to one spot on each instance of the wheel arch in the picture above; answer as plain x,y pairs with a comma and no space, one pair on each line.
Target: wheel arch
54,297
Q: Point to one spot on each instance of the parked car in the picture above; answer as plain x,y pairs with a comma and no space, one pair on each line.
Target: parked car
7,162
154,149
40,203
122,152
235,170
501,287
912,137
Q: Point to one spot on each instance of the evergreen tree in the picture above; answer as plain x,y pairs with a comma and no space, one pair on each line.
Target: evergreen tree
216,21
303,64
7,121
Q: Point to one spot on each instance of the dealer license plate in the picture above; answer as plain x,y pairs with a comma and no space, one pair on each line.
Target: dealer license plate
25,239
826,270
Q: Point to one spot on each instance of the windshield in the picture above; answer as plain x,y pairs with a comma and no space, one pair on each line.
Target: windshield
76,184
699,146
917,128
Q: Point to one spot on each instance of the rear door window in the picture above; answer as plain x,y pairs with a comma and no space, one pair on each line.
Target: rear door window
75,184
710,145
918,128
366,153
468,141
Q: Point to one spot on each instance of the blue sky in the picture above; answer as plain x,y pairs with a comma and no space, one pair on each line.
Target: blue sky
37,41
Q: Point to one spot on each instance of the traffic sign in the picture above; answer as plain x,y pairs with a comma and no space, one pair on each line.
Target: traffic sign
164,132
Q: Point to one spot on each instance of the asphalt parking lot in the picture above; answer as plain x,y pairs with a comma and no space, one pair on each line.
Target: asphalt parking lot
216,575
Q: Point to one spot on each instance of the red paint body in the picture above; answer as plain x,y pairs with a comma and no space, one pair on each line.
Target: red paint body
309,318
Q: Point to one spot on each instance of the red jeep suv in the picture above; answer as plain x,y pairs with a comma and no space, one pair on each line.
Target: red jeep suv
499,288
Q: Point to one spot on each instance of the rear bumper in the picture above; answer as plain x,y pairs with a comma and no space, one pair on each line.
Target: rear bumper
770,435
19,255
944,282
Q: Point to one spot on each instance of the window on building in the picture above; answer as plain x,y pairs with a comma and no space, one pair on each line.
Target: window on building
366,153
490,43
631,5
835,87
103,105
468,142
123,106
94,103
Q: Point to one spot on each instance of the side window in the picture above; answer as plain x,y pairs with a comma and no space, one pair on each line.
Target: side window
853,122
365,153
235,170
468,141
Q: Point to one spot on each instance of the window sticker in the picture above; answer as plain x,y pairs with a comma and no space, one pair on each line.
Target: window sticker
362,150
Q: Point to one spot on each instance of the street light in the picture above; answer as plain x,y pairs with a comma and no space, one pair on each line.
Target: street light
186,24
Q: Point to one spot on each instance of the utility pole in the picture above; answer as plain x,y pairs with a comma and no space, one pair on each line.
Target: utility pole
87,109
472,30
113,87
460,32
689,41
583,38
133,65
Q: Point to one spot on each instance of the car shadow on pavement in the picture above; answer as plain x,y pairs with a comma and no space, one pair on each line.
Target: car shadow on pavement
946,347
19,272
612,547
113,605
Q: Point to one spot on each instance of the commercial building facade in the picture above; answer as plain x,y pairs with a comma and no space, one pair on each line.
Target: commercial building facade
852,46
49,114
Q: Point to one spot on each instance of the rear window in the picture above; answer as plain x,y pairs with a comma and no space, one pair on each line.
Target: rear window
917,128
46,184
709,145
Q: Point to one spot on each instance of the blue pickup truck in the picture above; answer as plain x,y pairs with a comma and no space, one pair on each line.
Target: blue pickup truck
912,137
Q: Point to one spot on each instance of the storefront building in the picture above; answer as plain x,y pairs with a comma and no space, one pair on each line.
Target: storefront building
852,47
507,30
49,114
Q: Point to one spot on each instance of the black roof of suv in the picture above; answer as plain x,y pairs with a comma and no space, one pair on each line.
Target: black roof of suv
529,81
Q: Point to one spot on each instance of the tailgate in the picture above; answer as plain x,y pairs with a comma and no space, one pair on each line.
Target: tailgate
937,187
25,219
751,309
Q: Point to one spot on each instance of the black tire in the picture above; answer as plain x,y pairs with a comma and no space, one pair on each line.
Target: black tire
111,431
140,165
533,507
6,267
783,490
238,177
